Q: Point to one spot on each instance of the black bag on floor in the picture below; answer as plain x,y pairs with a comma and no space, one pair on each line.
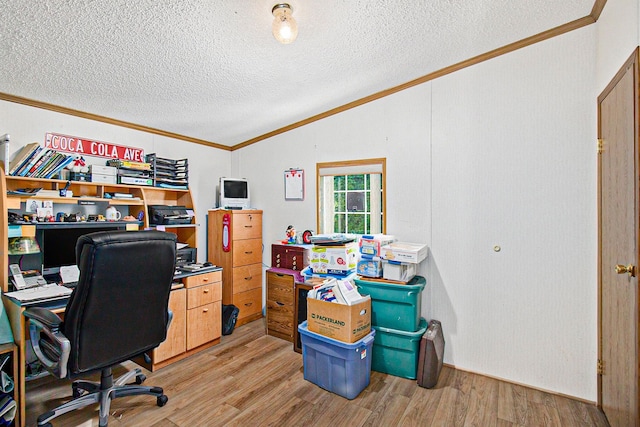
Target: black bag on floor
430,356
229,317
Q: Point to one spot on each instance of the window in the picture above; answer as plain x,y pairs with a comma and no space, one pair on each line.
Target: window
351,196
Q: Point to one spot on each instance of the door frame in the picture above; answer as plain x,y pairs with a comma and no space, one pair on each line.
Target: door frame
632,61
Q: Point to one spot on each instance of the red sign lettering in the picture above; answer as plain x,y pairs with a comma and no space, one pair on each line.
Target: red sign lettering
86,147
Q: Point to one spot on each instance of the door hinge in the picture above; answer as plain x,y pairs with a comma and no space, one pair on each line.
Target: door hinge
600,367
600,145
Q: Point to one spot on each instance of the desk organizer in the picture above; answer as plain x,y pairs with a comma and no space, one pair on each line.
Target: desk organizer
336,366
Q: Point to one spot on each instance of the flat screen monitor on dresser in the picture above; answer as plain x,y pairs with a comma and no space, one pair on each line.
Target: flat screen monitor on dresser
58,243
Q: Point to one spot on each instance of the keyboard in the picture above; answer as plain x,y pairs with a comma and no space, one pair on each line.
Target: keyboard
40,293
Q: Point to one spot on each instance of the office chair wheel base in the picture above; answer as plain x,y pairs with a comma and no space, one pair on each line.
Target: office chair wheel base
162,400
76,391
140,378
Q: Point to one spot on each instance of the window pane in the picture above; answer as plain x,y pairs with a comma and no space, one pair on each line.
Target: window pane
339,202
355,182
356,223
339,223
355,202
338,183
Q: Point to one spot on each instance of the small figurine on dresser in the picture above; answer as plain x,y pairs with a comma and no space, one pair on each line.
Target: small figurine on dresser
291,235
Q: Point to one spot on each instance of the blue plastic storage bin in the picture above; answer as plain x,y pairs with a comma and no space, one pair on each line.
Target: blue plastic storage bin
392,305
396,352
336,366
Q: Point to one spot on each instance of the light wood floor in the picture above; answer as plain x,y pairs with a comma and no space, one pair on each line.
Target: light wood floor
251,379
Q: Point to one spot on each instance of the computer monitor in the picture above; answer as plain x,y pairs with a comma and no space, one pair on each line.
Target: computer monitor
58,244
233,193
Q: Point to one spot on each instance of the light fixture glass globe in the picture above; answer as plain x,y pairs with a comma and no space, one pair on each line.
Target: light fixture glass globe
285,28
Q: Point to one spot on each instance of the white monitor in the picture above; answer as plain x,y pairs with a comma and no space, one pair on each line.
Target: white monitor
233,193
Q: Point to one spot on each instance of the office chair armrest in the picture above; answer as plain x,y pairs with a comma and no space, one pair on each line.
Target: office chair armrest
170,313
44,316
52,349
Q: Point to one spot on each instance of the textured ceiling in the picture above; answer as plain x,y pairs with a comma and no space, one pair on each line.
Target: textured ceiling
211,70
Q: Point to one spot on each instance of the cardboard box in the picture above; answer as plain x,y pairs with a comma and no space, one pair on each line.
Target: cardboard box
346,323
334,259
404,252
371,244
370,267
399,271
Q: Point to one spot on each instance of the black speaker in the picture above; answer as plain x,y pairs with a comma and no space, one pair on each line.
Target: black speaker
431,354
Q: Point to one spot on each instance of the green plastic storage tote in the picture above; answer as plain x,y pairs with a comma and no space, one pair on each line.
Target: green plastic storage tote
394,306
396,352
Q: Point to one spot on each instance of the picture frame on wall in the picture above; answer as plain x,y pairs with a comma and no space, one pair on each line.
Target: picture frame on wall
294,184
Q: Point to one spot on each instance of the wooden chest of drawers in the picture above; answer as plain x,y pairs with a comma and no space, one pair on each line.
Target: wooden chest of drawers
280,302
292,257
235,244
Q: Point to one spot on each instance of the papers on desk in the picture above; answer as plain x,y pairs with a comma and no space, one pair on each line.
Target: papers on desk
69,274
38,293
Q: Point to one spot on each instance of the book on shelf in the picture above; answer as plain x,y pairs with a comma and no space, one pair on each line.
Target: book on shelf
54,160
56,169
129,164
32,161
44,158
21,157
135,181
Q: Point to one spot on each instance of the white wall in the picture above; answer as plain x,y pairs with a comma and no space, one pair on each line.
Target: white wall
27,124
502,153
515,166
618,36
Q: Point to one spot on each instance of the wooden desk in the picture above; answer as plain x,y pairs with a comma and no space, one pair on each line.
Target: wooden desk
194,283
20,332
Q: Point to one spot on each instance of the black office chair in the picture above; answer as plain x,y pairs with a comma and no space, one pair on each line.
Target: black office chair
118,310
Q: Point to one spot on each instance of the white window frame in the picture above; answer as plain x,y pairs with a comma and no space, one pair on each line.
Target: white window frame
376,168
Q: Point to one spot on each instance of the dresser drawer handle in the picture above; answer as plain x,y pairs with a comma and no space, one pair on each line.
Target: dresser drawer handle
248,252
248,226
279,275
205,310
248,304
206,291
280,303
205,279
248,278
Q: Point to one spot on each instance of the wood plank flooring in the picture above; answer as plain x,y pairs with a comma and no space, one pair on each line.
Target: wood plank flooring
251,379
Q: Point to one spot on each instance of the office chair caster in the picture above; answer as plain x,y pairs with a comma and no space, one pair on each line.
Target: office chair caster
140,378
162,400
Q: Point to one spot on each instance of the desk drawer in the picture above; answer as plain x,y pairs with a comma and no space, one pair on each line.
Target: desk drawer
203,325
247,277
249,302
204,294
202,279
280,288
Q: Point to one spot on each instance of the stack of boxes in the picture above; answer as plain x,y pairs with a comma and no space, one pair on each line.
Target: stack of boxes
370,263
396,308
337,339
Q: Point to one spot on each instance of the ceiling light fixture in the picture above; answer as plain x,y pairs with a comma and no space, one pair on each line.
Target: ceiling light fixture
285,29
